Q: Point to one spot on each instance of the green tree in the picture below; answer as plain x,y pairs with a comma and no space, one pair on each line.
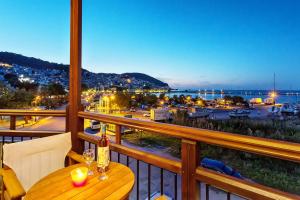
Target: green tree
5,96
84,86
175,99
21,99
12,79
28,86
56,89
150,99
162,96
237,99
122,99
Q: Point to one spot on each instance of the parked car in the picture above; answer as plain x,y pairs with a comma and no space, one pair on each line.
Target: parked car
146,115
132,110
220,167
94,125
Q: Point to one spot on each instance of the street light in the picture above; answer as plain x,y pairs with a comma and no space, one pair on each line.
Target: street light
273,94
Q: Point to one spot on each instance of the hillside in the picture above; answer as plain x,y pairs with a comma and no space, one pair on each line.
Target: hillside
13,58
90,78
146,77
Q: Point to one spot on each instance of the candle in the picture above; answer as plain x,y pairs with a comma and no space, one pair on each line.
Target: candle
79,176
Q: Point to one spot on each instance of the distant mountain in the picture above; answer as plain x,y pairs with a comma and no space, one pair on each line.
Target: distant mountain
146,78
18,59
138,80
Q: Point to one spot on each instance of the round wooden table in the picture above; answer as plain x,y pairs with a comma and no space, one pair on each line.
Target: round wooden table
58,185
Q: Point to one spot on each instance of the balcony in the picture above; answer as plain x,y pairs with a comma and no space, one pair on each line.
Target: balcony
182,178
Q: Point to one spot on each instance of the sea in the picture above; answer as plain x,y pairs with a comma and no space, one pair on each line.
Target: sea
283,96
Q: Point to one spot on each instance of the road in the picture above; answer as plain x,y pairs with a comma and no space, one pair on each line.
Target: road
54,124
47,124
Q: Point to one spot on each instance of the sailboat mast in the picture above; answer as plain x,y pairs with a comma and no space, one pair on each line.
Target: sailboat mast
274,84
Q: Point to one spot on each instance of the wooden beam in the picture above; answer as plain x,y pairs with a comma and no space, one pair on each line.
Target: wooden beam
118,134
12,125
189,163
75,124
17,112
244,188
67,126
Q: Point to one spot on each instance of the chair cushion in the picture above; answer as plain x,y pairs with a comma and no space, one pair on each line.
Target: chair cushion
31,160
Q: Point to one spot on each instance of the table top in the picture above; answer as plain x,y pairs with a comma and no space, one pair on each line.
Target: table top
58,185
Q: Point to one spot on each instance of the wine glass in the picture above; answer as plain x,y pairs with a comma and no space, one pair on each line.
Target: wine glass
101,169
89,157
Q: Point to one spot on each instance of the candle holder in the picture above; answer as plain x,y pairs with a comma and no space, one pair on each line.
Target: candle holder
79,176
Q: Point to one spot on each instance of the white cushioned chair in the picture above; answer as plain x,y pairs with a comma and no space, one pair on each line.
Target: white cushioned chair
28,161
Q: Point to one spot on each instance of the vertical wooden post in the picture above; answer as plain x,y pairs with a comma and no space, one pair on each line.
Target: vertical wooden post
75,124
67,126
12,123
190,161
118,134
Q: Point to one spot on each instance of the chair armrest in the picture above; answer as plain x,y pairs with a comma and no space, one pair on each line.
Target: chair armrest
75,157
12,185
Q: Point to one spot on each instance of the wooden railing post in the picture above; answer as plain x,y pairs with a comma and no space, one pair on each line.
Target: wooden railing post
118,134
75,123
13,120
67,128
189,162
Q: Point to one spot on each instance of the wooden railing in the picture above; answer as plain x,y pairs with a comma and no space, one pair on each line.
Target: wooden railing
188,167
12,135
14,113
17,112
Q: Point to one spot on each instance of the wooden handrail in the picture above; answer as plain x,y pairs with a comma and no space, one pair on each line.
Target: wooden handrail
241,187
158,161
268,147
16,112
16,133
228,183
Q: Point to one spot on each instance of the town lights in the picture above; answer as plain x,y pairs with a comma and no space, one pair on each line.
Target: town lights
105,98
273,94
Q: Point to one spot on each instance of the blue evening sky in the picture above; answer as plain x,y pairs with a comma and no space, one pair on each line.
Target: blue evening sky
229,44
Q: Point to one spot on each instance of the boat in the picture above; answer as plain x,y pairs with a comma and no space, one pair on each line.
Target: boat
274,110
297,109
256,101
287,109
269,101
199,113
239,113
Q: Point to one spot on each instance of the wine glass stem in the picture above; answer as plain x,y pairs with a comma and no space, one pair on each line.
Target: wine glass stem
90,172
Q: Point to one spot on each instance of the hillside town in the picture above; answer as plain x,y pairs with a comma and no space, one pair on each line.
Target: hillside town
95,80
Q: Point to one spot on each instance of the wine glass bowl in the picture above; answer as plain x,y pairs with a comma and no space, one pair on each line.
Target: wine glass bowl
89,157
